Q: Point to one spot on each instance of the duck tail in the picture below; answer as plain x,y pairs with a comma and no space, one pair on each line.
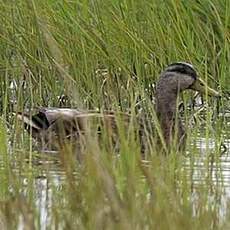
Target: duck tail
33,124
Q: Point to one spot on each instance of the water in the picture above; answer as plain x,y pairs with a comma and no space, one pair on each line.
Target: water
202,167
212,170
205,170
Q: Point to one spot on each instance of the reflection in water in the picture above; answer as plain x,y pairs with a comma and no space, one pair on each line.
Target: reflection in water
202,167
212,171
43,200
218,166
44,187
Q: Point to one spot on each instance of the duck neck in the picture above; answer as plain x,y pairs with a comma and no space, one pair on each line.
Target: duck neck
166,108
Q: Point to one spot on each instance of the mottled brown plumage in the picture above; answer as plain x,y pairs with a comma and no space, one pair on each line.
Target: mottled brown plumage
52,126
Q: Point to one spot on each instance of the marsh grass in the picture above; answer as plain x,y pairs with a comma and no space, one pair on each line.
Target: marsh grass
108,55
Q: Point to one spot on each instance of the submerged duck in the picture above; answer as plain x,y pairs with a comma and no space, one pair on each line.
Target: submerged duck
51,125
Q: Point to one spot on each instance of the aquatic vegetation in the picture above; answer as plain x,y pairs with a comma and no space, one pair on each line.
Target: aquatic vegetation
107,55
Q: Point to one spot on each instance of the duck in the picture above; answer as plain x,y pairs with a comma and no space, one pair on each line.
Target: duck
50,126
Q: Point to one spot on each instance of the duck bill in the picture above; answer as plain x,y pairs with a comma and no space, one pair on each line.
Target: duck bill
200,86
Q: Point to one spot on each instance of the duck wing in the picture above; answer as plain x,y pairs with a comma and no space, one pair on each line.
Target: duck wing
66,122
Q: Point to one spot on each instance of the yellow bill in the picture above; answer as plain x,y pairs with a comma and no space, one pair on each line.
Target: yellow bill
200,86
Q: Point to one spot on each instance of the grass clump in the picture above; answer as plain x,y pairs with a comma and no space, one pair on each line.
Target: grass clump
108,55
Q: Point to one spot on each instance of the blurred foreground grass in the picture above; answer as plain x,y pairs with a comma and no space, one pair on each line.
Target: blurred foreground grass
107,55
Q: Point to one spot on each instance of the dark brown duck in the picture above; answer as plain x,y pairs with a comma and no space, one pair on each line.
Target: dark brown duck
176,78
52,125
